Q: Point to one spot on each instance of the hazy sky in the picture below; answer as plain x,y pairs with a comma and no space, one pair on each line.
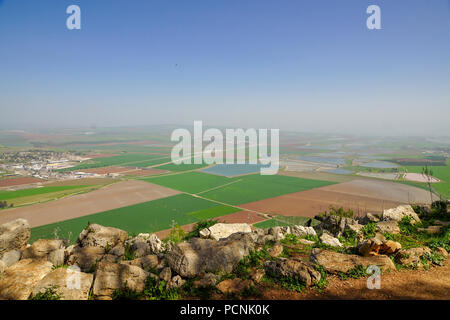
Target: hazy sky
302,65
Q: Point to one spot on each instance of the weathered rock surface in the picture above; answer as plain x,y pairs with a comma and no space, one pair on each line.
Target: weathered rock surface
368,218
337,225
399,212
301,231
278,233
14,235
176,282
19,280
86,257
165,274
70,284
207,280
189,259
234,286
224,230
100,236
276,250
145,244
41,249
325,238
335,262
378,245
411,257
293,268
112,276
148,262
388,227
11,257
257,274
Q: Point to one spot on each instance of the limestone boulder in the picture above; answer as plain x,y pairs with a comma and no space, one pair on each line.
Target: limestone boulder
338,225
275,251
399,212
302,231
14,235
69,283
224,230
11,257
329,240
378,245
335,262
100,236
86,258
19,280
293,268
206,280
388,227
147,262
165,274
189,259
111,276
176,282
52,250
234,286
412,257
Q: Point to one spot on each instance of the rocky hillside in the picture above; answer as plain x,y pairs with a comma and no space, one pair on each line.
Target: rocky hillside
225,261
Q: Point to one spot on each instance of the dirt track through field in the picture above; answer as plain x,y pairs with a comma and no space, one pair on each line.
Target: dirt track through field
359,195
433,284
114,196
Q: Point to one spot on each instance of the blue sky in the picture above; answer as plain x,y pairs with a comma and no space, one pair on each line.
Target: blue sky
290,64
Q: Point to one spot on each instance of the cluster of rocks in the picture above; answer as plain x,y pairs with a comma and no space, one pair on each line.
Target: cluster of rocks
105,259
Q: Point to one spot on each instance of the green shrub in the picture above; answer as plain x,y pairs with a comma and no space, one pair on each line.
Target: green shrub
340,212
157,290
129,253
355,273
195,233
369,230
176,234
49,294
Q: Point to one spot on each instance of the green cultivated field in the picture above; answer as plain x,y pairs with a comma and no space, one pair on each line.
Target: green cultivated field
191,182
132,159
440,172
181,167
236,190
7,195
144,217
257,187
215,212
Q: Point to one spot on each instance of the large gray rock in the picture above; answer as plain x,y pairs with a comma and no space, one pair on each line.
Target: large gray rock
412,257
11,257
40,249
293,268
14,235
335,262
99,236
224,230
189,259
337,225
69,284
86,258
302,231
19,280
145,244
388,227
329,240
399,212
112,276
148,262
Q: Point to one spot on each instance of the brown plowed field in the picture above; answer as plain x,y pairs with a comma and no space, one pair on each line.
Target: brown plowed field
359,195
114,196
241,217
18,181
